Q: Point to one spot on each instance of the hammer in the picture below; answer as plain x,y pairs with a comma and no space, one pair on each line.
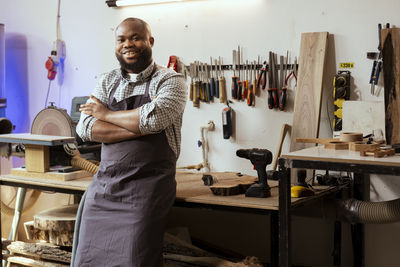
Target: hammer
273,174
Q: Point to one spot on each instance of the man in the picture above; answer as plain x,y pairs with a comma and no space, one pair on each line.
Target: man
136,112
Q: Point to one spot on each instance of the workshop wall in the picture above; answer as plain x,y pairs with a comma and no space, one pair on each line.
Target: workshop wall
196,30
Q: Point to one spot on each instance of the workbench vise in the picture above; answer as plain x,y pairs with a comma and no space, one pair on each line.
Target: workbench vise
260,158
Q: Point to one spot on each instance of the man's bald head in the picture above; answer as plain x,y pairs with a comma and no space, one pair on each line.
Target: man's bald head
145,27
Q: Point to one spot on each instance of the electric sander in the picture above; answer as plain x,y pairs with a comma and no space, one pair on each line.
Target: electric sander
260,158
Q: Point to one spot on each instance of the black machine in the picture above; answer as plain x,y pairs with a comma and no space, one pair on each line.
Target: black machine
260,158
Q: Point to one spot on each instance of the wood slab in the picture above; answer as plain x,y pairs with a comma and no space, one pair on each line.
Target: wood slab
53,174
41,250
391,74
307,106
56,219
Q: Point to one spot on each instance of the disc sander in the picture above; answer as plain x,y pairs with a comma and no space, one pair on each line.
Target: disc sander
53,121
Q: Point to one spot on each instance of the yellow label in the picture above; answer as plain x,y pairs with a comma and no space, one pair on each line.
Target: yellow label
347,65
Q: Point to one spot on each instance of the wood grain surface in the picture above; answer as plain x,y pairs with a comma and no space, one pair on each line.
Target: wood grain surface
391,75
307,104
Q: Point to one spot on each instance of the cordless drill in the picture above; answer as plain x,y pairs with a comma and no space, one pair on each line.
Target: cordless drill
260,158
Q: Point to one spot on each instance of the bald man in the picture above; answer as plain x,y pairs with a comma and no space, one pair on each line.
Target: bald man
136,113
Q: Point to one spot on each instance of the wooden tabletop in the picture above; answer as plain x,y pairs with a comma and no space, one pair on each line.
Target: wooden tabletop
319,153
190,189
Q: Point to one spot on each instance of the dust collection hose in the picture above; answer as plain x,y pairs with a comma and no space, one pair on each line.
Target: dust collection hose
78,161
357,211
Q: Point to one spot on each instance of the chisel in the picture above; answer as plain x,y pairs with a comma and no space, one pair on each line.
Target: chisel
271,74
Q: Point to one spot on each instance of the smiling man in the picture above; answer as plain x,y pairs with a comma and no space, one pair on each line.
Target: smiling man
136,113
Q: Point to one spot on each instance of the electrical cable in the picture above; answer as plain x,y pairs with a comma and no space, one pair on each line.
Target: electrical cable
47,97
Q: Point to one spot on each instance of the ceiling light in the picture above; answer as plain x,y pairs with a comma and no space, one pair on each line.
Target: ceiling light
117,3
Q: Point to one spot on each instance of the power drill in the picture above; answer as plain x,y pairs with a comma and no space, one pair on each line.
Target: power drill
260,158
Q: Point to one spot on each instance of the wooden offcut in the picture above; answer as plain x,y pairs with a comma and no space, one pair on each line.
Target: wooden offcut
37,158
24,261
307,105
391,75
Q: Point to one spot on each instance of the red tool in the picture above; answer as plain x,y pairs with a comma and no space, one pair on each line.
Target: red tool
173,63
51,67
262,77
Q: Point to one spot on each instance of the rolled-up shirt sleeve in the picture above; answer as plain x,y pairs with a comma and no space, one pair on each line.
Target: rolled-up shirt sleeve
85,124
166,106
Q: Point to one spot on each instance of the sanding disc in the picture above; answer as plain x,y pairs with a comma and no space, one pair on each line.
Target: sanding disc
53,121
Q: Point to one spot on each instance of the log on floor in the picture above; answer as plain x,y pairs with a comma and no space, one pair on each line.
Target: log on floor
42,251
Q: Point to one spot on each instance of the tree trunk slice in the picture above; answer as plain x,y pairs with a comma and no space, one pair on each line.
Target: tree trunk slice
58,219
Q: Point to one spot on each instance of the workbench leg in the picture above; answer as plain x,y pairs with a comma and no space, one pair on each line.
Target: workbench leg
361,192
284,217
274,226
19,204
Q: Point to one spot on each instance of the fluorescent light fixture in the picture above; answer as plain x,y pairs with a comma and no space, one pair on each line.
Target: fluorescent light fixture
117,3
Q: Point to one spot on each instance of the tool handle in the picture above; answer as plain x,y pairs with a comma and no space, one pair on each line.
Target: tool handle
275,97
222,90
196,89
191,91
373,71
270,99
282,98
216,85
239,92
208,92
378,71
250,96
212,88
235,87
245,88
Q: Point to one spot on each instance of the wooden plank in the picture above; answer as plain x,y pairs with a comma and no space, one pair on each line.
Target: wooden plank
52,174
32,262
78,184
391,74
307,104
36,139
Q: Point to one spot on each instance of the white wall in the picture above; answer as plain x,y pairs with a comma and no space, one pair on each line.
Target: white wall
196,30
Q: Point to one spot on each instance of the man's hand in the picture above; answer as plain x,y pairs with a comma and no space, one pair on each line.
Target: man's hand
96,109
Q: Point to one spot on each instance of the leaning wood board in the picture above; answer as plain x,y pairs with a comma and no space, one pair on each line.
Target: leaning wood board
51,175
391,75
307,105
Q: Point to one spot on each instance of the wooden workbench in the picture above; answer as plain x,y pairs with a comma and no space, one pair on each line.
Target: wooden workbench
191,193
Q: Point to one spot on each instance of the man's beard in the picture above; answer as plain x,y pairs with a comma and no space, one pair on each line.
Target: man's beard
142,62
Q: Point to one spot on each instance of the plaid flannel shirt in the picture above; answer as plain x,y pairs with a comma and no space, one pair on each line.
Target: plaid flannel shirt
167,91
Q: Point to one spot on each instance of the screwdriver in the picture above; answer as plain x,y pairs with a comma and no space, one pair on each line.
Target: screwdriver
221,82
270,81
250,93
196,102
245,81
282,95
235,85
212,81
216,79
240,85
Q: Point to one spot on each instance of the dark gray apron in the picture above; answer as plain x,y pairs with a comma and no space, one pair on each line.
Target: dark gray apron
127,203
